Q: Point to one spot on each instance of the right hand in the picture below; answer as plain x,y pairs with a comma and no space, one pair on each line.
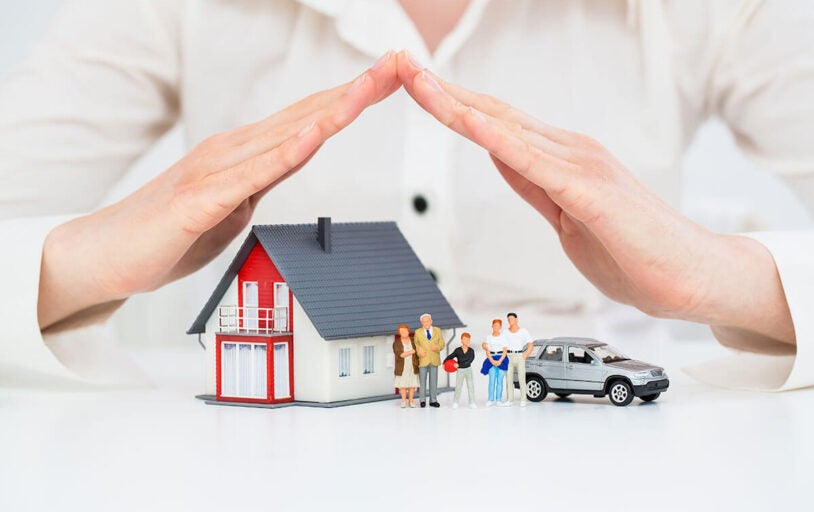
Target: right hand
185,216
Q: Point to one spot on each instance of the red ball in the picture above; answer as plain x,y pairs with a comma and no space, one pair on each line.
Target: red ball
450,366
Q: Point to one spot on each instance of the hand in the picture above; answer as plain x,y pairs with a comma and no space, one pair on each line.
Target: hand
422,353
627,241
188,214
434,347
525,355
456,365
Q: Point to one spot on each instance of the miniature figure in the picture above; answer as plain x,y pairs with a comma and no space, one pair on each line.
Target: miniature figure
406,370
587,366
519,344
429,343
496,362
462,358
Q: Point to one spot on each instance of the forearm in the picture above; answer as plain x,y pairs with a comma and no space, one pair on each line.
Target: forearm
67,290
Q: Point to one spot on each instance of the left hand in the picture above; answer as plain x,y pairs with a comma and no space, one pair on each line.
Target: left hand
627,241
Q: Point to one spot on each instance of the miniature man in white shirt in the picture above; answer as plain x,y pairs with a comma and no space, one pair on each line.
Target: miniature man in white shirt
519,343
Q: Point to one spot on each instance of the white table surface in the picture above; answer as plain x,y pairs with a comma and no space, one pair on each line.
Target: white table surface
158,448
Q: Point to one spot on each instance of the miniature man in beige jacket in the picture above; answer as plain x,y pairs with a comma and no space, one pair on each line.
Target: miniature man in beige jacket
429,344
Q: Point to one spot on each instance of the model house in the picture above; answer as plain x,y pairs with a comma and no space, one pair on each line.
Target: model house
308,313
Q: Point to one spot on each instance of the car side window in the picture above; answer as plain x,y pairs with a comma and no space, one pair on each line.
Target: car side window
578,355
535,351
552,353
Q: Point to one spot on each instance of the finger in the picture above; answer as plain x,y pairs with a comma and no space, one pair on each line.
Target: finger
255,199
410,71
499,109
451,112
333,117
552,174
382,74
228,149
215,196
537,197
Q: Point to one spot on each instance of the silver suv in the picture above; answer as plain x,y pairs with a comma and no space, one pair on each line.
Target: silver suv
586,366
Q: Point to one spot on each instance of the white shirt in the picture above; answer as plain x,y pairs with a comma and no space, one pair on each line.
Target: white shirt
496,343
113,76
517,340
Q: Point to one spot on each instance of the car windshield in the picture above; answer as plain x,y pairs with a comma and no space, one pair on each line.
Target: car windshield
609,354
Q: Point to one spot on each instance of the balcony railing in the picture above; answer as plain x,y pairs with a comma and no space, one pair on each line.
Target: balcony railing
249,320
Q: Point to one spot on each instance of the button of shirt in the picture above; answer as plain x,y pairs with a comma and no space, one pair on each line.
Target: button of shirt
420,203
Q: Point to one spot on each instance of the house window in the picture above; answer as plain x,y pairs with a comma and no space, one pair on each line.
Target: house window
281,305
243,370
367,354
344,362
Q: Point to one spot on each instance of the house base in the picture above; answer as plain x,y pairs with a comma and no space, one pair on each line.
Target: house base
211,400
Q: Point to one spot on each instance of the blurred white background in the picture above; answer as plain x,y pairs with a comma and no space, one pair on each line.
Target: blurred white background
721,188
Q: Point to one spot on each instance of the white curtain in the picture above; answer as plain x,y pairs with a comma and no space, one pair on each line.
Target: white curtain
281,376
228,363
260,372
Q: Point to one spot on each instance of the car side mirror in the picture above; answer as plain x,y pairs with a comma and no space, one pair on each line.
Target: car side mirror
594,362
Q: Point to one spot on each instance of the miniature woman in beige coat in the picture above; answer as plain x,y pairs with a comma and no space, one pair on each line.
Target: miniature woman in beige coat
406,370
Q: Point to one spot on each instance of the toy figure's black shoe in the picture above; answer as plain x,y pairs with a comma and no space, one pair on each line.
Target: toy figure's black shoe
423,404
435,404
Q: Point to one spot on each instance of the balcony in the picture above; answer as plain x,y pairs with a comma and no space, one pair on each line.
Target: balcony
249,320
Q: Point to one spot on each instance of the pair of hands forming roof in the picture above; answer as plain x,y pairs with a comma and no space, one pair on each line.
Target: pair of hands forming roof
632,245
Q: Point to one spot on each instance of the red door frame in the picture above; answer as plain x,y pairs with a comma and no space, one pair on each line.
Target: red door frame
269,342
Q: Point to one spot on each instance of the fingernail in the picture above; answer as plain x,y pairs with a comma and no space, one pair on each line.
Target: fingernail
357,84
412,60
430,80
382,61
302,133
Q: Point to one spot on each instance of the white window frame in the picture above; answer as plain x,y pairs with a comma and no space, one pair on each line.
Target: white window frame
251,313
280,319
255,394
368,359
344,362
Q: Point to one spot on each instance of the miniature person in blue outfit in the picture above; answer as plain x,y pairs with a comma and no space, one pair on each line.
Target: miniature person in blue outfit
463,357
496,362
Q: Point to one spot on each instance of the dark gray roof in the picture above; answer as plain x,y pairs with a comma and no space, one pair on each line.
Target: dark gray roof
368,284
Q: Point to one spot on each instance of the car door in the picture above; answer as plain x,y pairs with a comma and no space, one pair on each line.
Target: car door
551,365
583,372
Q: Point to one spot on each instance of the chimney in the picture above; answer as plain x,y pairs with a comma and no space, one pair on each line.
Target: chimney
324,233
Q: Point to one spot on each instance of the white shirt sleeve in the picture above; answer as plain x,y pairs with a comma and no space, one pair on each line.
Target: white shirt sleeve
89,100
762,88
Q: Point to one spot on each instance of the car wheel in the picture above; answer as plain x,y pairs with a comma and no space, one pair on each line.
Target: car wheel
563,395
650,398
620,393
536,389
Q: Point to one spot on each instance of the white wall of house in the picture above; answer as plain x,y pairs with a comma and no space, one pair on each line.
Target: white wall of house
310,358
229,299
358,384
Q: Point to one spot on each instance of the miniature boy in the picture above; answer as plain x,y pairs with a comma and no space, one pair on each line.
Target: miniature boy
519,344
429,343
463,357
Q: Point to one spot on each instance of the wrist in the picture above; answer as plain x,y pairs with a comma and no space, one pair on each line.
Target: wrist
743,290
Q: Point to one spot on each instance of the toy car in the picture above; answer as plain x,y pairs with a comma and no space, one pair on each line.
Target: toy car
586,366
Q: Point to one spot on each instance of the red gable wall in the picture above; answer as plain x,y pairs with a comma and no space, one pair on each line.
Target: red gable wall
259,267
